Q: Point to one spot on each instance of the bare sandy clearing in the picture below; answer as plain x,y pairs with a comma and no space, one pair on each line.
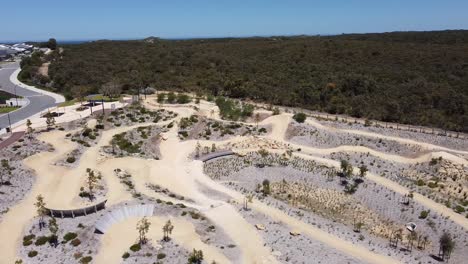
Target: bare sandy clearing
118,239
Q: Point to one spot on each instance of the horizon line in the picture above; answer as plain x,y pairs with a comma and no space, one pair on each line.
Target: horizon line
217,37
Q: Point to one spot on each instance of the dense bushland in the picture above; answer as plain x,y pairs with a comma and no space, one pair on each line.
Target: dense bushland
408,77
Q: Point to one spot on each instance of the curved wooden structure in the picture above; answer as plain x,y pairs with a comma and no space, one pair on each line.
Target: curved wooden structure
122,213
77,212
215,155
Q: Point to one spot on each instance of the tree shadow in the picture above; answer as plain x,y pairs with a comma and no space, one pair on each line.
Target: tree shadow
436,258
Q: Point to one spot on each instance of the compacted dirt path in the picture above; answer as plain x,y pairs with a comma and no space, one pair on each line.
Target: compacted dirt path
183,176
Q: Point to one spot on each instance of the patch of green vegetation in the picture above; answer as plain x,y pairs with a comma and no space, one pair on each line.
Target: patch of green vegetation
300,117
410,88
424,214
459,209
68,103
135,247
7,109
41,240
420,182
86,260
32,253
69,236
124,144
233,110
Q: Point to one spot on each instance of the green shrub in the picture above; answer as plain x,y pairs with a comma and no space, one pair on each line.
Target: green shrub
420,182
423,214
459,209
135,247
27,242
29,237
71,159
183,99
161,255
32,253
125,255
69,236
85,260
300,117
41,240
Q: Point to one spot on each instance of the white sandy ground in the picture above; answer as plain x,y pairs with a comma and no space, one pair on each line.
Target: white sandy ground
118,239
60,187
377,135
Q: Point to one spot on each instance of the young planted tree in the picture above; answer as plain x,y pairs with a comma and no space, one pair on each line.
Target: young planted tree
41,210
446,246
80,92
197,150
424,242
248,199
346,168
363,171
357,226
143,228
92,182
196,257
53,228
167,230
213,147
29,129
5,174
257,119
266,187
50,121
412,236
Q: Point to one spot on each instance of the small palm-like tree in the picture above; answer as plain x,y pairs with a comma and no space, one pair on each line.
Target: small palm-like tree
41,210
143,228
167,230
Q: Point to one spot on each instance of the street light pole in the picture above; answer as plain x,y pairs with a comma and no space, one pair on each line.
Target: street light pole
9,122
16,96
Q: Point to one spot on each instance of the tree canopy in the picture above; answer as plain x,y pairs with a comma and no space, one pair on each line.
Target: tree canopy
407,77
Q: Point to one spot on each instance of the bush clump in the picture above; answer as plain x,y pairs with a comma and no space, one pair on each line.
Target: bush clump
41,240
300,117
71,159
69,236
32,253
135,247
161,255
85,260
423,214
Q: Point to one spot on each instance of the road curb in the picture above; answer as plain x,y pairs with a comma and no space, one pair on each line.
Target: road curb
14,79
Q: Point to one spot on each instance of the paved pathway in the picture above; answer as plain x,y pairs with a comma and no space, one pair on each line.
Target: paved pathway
12,139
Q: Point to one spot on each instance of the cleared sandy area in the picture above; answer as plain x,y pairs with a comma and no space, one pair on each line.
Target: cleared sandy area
177,172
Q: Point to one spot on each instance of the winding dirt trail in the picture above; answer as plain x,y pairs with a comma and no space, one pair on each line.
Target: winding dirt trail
181,175
377,135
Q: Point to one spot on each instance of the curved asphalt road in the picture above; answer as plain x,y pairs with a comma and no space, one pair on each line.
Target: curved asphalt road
37,102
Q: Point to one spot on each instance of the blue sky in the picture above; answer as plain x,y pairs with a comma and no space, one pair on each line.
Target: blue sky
121,19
